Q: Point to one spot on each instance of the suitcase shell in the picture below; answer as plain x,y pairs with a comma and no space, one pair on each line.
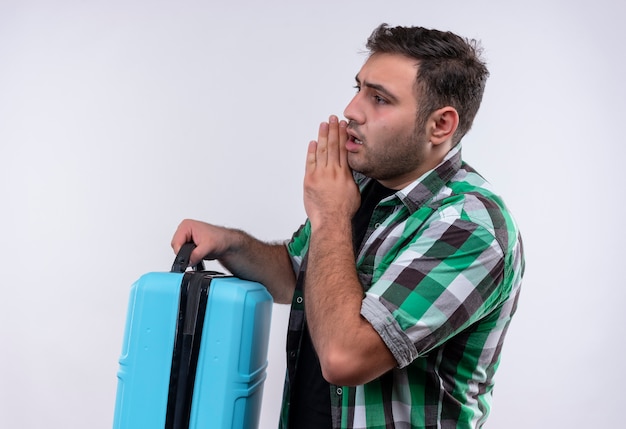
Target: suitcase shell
231,362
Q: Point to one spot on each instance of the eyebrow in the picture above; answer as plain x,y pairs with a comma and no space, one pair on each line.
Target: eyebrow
378,88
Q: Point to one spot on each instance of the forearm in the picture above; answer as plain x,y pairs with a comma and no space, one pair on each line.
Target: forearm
266,263
350,350
332,290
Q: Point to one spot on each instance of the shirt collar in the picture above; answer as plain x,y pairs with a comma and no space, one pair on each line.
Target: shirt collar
430,183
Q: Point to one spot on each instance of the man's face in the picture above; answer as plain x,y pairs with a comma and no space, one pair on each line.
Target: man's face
383,140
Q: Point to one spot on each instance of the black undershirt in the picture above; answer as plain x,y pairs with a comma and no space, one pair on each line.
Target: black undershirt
373,194
310,394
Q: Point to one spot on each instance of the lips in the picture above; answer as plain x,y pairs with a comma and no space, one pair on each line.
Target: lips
354,138
354,143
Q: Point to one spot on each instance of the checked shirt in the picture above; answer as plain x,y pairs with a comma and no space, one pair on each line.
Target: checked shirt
441,266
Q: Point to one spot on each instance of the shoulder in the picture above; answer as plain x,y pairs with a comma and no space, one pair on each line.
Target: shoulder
470,198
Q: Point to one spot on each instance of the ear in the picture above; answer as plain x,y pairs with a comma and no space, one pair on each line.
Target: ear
442,125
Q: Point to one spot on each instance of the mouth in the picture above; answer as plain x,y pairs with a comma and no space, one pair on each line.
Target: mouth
354,138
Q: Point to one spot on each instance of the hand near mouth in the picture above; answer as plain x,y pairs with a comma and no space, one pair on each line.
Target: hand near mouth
330,193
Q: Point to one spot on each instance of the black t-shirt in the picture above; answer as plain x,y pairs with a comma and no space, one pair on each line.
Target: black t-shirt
310,392
373,194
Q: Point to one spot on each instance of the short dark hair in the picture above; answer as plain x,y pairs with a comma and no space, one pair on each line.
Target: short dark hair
450,71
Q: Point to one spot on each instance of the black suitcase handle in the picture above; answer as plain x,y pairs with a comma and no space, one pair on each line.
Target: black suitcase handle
181,262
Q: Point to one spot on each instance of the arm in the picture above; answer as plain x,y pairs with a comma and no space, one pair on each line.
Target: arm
243,255
351,352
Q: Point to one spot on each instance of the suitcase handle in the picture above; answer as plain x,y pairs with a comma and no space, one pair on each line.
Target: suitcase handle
181,262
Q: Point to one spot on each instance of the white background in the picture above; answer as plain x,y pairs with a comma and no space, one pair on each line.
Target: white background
120,118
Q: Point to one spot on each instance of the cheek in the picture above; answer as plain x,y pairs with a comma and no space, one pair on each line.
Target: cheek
392,127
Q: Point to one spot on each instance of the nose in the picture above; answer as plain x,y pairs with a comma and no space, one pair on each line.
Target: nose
353,112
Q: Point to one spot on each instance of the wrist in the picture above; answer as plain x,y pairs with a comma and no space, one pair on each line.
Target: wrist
331,225
236,240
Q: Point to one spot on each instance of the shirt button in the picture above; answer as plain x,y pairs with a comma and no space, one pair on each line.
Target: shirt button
339,391
299,300
292,354
377,225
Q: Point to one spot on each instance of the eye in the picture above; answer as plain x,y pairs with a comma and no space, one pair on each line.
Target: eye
379,100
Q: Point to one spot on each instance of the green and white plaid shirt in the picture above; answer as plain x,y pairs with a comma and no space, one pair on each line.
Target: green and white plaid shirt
441,266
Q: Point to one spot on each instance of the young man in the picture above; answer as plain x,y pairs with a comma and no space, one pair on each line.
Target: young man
404,278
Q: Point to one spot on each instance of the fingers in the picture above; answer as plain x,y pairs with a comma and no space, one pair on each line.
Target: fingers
333,141
322,144
343,138
329,149
185,233
196,257
182,235
311,157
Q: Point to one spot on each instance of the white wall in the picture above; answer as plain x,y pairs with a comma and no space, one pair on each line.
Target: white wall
120,118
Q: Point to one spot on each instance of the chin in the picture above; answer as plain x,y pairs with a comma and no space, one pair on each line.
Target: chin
354,164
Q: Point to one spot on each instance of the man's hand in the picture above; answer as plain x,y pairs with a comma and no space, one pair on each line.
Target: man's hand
212,242
330,193
243,255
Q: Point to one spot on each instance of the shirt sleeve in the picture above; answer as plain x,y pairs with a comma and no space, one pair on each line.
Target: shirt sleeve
445,278
298,245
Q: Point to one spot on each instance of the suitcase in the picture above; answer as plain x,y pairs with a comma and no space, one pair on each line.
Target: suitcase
194,353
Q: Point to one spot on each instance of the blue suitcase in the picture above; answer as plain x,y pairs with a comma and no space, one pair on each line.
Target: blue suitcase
194,354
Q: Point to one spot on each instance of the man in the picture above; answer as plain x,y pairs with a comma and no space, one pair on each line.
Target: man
405,275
